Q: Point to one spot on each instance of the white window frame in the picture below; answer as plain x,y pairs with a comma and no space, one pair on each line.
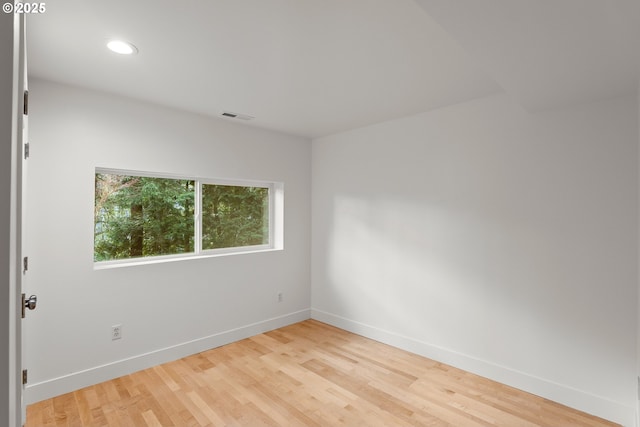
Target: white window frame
276,219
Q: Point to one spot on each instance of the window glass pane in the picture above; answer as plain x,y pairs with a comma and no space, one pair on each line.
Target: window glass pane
138,216
234,216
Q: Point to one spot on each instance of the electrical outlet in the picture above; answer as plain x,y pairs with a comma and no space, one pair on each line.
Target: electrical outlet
280,297
116,332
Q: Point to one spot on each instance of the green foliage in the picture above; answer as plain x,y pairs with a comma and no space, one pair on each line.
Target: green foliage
142,216
139,216
234,216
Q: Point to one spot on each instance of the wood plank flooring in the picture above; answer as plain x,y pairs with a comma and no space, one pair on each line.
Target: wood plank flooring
307,374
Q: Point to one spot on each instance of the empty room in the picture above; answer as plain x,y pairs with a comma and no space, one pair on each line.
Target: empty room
320,212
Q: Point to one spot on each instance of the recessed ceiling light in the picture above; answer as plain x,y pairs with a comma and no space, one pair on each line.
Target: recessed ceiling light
122,47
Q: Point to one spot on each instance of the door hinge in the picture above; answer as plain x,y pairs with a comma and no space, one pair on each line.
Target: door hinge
24,376
25,264
26,151
26,103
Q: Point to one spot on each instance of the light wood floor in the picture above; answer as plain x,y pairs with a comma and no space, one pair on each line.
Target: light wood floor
307,374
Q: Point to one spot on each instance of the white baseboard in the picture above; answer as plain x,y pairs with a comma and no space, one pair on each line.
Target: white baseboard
77,380
583,401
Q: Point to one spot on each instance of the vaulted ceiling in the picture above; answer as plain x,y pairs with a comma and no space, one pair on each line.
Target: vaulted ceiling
316,67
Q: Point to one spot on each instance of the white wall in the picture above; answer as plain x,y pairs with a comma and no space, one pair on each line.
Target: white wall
638,273
167,310
7,227
491,239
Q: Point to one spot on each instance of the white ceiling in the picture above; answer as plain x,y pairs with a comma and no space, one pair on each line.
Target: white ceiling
549,53
316,67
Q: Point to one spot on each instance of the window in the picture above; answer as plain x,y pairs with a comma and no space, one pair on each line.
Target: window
234,216
139,215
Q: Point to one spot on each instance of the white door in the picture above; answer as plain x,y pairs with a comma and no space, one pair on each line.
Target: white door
27,302
12,124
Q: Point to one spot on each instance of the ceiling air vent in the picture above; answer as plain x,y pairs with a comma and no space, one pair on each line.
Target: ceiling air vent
236,115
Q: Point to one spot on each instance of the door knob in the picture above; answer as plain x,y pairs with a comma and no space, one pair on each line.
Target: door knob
29,303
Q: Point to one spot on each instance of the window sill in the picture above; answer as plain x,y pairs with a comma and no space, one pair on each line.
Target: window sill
107,265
